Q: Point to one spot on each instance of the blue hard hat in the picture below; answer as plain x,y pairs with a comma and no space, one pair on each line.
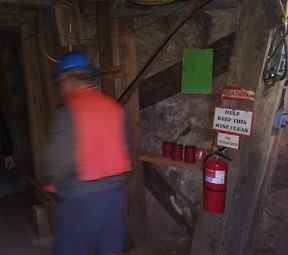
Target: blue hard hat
74,61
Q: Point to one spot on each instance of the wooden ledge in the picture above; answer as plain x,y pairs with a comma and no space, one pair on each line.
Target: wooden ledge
161,161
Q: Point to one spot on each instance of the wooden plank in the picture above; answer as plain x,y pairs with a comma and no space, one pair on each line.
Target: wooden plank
116,47
234,232
34,86
38,73
136,187
168,82
182,211
50,51
161,161
106,46
274,11
29,3
68,23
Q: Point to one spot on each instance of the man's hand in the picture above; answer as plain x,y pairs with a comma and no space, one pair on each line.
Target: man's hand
49,188
9,163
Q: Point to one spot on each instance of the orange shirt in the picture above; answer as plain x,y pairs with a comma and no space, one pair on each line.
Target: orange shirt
99,130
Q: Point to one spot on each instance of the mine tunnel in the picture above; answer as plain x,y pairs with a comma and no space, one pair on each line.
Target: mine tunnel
166,118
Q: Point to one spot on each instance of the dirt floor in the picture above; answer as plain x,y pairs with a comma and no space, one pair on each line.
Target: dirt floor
273,234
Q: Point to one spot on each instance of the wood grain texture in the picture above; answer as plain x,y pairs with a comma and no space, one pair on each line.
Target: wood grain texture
106,45
136,187
35,95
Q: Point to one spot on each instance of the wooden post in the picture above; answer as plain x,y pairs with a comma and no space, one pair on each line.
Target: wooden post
116,46
136,188
106,44
234,232
34,85
38,78
50,52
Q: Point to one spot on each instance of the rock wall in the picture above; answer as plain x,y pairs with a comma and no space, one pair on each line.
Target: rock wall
166,120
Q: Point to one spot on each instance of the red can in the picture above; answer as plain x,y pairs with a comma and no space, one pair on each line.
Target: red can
168,149
190,154
178,152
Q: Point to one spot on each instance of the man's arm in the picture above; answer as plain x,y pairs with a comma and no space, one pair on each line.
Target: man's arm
59,154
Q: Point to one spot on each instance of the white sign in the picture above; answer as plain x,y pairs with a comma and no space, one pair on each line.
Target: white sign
215,177
228,140
233,121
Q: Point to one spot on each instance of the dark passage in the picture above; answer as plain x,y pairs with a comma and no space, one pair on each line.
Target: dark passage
16,228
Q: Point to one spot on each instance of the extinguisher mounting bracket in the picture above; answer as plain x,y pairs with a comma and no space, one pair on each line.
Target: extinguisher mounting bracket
220,153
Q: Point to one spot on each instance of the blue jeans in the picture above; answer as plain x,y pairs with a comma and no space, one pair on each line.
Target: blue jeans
94,223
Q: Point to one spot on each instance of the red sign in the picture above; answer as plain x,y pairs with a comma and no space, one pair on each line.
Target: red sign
237,93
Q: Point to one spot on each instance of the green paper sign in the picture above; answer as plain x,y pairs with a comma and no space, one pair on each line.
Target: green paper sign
197,71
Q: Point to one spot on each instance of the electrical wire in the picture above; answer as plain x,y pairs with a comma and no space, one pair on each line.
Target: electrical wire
278,47
286,11
282,7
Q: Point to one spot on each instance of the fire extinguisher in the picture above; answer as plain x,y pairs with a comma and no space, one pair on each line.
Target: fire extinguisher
215,182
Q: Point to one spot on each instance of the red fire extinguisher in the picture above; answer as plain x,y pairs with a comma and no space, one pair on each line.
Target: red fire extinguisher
215,182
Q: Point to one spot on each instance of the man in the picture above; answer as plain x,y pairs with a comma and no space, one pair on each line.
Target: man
87,159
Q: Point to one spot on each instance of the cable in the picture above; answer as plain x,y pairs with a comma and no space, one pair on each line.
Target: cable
282,7
134,84
286,12
276,65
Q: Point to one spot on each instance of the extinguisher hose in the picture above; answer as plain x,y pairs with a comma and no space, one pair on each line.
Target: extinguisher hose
220,152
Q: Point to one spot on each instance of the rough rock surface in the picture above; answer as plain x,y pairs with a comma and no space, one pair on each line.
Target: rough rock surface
165,122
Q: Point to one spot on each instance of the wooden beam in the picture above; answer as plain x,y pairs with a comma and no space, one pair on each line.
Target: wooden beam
35,96
29,3
106,46
168,82
50,50
38,73
161,161
174,202
136,187
273,10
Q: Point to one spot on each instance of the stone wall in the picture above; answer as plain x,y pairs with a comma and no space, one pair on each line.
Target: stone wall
166,120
